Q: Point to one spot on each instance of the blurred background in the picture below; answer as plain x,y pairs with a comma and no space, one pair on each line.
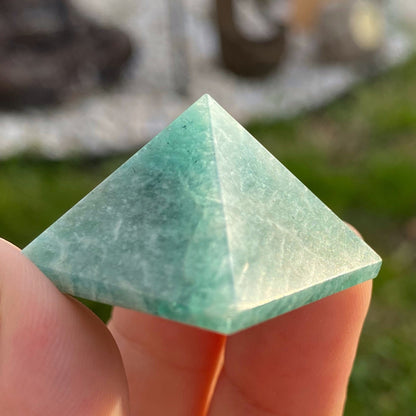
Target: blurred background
328,86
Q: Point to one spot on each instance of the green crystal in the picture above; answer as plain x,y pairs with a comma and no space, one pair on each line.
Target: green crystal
203,226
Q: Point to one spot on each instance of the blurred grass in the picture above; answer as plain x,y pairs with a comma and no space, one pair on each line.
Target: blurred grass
359,156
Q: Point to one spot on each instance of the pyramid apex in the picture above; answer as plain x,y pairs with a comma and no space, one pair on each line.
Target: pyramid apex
207,100
215,113
205,97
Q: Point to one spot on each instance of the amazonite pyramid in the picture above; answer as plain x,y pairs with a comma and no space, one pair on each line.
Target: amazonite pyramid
203,226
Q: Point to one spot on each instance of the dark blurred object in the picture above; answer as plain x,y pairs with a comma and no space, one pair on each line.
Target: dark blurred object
350,30
49,52
244,56
410,229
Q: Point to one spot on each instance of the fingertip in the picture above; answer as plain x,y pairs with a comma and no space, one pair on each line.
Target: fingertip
5,243
307,353
166,358
353,229
53,348
192,344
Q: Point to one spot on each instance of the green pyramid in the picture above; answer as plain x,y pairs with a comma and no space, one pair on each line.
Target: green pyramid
203,226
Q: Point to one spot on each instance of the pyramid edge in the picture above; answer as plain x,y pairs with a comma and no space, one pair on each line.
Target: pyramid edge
205,96
241,319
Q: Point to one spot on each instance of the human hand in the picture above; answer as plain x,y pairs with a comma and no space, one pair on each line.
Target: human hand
58,358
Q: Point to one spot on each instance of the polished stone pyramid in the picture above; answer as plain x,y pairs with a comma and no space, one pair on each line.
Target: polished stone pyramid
203,226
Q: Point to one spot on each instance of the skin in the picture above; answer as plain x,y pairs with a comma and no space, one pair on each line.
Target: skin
57,358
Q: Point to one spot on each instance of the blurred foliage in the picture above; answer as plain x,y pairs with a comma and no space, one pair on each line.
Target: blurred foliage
359,156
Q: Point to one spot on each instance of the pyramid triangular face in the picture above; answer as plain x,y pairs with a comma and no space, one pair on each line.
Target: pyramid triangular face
204,226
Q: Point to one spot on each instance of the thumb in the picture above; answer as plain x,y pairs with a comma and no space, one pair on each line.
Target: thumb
56,356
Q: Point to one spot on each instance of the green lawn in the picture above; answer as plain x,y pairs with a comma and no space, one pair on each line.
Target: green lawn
359,156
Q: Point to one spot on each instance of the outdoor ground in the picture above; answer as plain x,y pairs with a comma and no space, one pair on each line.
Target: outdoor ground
359,156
